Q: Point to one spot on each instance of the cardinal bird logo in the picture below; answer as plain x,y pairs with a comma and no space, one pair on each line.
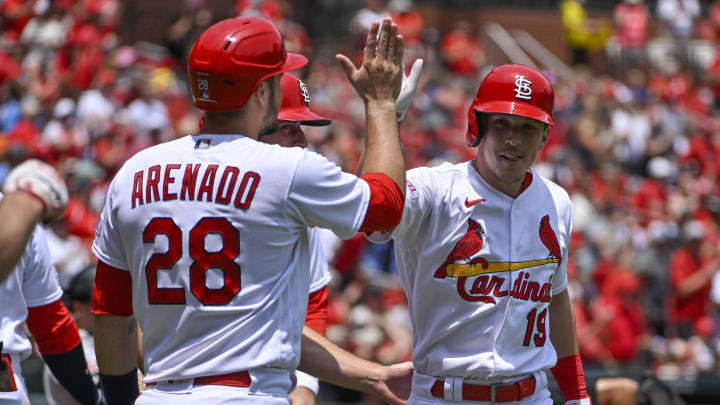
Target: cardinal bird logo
465,248
549,239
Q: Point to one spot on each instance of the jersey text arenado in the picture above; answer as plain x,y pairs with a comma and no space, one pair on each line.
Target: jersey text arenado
197,184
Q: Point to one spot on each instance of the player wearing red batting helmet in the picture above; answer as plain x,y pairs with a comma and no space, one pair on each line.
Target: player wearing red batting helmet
507,90
231,58
489,238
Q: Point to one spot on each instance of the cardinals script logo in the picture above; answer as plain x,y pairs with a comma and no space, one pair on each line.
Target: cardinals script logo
304,91
486,286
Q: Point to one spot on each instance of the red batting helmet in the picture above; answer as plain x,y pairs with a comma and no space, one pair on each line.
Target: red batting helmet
296,103
511,89
232,57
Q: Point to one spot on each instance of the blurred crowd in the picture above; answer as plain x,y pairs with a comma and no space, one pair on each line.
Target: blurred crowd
638,149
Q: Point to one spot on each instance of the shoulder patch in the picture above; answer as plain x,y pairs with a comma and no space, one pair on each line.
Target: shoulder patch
414,194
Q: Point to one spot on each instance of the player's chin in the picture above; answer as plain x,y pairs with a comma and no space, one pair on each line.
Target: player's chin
269,129
512,174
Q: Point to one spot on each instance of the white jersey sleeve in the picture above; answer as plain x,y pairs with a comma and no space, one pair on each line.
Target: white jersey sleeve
32,283
108,246
40,284
322,195
418,206
419,203
565,216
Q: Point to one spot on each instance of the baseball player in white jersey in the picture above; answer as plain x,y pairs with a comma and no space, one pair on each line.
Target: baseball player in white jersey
31,294
204,239
482,254
294,112
34,192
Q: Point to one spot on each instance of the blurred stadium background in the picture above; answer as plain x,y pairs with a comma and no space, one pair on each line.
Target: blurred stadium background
84,84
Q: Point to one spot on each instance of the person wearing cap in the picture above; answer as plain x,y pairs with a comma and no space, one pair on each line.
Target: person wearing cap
203,240
482,252
294,112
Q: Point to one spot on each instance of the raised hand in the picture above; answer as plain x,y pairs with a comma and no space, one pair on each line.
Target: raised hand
379,78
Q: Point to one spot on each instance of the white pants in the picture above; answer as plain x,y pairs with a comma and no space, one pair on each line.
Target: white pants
421,395
269,387
18,397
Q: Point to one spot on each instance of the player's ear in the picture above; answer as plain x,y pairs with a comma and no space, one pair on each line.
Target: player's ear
264,90
259,93
545,136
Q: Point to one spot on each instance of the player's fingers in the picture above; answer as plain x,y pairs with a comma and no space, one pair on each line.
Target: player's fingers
347,65
371,42
383,40
399,49
392,41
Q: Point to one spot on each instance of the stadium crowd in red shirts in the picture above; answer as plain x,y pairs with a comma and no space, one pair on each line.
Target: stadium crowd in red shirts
639,153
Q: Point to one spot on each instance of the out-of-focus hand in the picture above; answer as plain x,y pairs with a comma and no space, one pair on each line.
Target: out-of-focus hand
379,78
395,387
302,396
408,89
42,182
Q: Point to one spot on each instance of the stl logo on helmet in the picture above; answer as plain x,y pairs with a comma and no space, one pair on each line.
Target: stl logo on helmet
304,91
522,88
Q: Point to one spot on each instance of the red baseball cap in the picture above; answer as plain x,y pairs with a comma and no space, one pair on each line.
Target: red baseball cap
296,103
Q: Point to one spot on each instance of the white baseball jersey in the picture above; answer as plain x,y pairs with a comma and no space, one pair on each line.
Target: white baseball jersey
32,283
214,232
479,269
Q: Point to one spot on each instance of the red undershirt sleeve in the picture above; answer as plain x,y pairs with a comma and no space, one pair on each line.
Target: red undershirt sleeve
386,203
317,311
568,373
53,328
112,293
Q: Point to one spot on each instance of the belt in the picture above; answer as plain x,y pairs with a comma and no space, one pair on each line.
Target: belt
490,393
236,379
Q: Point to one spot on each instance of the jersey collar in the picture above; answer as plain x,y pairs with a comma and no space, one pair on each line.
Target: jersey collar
205,141
478,183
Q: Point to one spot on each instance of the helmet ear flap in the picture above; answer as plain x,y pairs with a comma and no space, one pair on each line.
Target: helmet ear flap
480,122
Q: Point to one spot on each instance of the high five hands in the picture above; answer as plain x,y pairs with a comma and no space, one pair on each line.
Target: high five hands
379,77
